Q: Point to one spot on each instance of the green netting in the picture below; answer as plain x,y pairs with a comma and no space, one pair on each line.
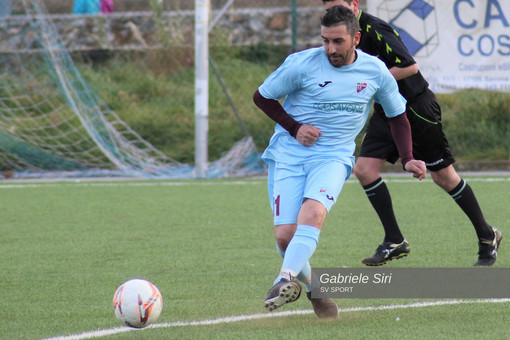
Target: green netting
53,124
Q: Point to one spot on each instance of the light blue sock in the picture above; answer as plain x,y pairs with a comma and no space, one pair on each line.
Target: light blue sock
305,275
299,251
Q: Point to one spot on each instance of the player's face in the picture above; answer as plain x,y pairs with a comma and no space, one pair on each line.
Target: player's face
353,6
339,45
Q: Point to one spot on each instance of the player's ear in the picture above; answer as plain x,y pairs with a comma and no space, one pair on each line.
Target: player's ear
357,38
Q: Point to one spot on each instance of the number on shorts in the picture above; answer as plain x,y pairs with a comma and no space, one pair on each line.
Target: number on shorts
277,206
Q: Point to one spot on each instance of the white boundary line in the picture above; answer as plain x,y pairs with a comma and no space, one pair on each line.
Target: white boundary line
238,318
150,183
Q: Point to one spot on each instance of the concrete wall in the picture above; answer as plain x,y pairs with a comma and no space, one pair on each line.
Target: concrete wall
131,31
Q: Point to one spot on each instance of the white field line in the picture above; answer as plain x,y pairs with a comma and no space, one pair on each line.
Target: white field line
18,184
238,318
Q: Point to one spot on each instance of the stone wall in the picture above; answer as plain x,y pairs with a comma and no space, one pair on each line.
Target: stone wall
143,30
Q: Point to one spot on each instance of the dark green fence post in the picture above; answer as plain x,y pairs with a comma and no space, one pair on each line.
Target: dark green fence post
293,11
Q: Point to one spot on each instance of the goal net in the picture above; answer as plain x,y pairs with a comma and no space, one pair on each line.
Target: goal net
53,124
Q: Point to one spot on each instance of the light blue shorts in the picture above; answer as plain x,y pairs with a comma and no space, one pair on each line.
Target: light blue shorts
290,184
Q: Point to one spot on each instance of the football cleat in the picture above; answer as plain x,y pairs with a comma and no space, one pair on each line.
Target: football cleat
323,308
488,249
386,252
282,292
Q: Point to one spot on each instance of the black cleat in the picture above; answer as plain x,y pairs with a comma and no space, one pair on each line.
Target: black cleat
488,249
323,308
282,292
386,252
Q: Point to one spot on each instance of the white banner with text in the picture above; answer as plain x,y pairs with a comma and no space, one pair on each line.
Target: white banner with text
458,44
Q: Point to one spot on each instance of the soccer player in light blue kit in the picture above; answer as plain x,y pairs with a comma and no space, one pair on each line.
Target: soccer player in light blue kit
328,92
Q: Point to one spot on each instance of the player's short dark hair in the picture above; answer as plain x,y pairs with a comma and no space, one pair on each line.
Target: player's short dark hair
338,15
349,2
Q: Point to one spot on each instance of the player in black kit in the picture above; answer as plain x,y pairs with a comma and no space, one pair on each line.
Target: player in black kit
378,38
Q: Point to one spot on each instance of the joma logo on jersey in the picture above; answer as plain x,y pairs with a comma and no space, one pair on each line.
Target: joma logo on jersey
360,87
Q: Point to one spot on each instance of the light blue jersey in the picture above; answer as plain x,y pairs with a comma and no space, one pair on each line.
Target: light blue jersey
336,100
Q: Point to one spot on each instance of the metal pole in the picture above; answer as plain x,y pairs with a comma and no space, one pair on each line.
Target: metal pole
293,12
220,14
202,9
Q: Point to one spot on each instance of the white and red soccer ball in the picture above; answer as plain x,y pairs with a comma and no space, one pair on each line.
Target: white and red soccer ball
137,303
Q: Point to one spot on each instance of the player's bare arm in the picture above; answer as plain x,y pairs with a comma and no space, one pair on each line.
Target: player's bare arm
404,72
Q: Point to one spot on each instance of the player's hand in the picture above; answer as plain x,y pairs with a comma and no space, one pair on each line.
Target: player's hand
417,167
308,134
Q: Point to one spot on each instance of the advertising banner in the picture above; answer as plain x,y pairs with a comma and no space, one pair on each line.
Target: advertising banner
458,44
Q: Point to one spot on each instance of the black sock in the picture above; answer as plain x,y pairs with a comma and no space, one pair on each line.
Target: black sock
378,194
466,199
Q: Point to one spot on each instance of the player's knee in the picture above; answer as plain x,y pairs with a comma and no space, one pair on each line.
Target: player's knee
283,242
444,183
367,171
361,171
357,170
283,237
447,178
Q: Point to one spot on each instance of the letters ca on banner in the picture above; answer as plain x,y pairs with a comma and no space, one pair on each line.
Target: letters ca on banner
458,44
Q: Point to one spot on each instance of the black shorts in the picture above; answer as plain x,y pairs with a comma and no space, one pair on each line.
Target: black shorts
429,142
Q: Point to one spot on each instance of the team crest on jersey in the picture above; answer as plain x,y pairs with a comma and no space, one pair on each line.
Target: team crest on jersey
360,87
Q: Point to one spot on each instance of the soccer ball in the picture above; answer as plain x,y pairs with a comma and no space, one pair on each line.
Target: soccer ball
137,303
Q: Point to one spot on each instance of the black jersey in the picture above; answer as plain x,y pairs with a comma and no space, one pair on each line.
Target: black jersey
379,39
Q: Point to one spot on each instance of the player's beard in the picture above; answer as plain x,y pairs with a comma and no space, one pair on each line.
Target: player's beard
339,59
